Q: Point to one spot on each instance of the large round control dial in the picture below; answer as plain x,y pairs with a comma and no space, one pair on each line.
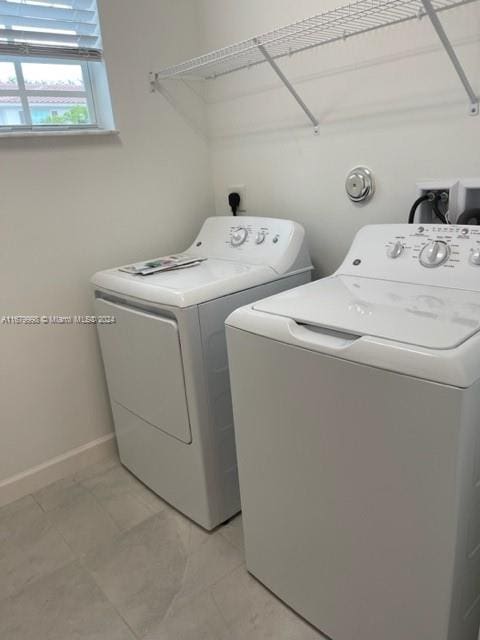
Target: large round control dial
239,236
434,254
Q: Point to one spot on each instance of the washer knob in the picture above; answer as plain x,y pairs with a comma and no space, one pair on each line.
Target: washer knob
239,236
434,254
395,250
260,239
475,257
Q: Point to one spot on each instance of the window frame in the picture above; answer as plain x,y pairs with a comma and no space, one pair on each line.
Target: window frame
23,94
84,49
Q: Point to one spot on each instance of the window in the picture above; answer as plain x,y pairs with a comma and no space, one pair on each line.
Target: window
52,73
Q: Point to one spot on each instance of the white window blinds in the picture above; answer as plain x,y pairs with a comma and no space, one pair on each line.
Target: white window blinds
56,29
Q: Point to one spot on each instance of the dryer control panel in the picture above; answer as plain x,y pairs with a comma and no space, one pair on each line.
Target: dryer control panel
256,235
443,255
277,243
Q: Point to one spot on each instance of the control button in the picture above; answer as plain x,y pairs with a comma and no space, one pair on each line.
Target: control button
260,239
475,257
395,250
434,254
464,232
276,239
420,229
239,236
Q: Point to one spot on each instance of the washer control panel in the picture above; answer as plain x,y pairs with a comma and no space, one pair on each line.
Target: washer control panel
443,255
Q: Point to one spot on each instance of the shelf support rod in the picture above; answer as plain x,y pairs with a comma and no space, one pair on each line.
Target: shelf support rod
437,25
289,86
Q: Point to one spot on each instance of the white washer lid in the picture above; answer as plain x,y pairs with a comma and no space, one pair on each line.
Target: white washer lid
186,287
425,316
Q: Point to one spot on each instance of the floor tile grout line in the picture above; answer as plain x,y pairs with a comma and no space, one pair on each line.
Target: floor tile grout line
92,575
58,531
115,463
234,546
182,582
80,557
82,560
229,573
102,507
210,588
42,576
240,548
105,510
93,476
32,495
216,605
152,514
53,527
130,492
207,590
76,554
148,506
115,608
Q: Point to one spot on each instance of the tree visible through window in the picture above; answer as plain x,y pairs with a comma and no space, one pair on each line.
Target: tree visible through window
49,94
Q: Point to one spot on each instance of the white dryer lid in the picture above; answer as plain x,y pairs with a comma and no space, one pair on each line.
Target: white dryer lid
426,316
186,287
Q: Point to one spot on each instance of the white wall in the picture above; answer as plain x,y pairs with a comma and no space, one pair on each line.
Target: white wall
387,99
69,207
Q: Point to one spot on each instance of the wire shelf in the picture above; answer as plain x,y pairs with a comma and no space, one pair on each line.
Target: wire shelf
341,23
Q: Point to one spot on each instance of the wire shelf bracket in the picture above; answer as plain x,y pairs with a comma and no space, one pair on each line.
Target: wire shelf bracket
289,86
328,27
457,65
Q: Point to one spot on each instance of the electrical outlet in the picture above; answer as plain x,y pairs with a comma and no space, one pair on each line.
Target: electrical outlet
241,189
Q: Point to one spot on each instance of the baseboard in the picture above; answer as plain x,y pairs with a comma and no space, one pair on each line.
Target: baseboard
57,468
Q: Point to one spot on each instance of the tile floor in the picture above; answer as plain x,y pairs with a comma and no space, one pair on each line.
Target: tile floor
99,557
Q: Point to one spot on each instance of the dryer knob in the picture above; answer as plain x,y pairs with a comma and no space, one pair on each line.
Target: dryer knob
239,236
434,254
475,257
260,239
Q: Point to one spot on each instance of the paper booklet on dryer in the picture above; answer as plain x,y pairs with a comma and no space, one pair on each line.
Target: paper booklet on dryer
167,263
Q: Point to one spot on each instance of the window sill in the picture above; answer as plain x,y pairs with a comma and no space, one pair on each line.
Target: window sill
55,134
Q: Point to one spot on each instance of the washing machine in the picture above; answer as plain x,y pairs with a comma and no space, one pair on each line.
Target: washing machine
357,417
166,362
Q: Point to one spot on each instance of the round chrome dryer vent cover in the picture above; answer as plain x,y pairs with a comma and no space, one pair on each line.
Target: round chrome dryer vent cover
360,184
